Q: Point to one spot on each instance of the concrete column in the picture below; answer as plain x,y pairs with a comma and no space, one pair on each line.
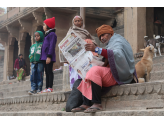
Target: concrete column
10,60
135,26
82,14
21,46
150,21
5,63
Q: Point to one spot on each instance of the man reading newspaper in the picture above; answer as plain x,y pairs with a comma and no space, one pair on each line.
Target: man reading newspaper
73,49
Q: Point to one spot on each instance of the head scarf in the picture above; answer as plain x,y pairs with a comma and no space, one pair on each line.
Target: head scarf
81,32
104,29
77,16
41,35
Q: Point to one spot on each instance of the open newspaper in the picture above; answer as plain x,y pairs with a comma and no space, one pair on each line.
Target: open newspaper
72,50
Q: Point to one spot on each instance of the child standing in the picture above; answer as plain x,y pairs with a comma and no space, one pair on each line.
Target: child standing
37,68
48,55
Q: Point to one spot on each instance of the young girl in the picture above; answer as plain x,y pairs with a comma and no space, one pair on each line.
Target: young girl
48,55
37,68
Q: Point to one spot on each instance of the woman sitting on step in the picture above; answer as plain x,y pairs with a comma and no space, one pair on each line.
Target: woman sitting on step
20,67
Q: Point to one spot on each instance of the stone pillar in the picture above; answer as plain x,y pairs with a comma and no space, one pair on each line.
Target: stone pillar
135,27
82,14
66,79
150,21
4,41
10,60
5,62
21,43
21,46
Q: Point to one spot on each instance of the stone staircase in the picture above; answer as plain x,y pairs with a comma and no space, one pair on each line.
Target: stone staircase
139,99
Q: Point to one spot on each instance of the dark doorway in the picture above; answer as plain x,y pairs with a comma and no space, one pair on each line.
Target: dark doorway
159,21
26,53
15,55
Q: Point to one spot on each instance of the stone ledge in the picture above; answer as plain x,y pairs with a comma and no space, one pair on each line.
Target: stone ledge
157,67
58,71
26,11
157,75
17,16
46,97
137,89
102,113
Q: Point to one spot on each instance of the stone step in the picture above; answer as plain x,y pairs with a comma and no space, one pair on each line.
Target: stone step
152,112
17,84
57,75
15,93
157,75
27,78
58,79
23,90
158,59
137,96
158,67
47,101
12,89
22,85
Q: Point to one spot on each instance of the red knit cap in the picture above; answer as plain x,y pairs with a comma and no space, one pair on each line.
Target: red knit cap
50,22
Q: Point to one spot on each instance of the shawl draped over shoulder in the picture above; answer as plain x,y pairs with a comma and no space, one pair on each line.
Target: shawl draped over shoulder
81,32
121,60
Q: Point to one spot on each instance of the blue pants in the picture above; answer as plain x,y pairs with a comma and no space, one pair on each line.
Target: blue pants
36,78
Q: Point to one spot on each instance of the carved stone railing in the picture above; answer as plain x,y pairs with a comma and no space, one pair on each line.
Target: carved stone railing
17,16
46,97
26,11
137,89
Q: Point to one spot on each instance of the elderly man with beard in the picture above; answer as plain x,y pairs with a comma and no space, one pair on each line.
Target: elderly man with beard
119,70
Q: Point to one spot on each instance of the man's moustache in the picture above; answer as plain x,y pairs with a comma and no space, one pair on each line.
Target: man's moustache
104,41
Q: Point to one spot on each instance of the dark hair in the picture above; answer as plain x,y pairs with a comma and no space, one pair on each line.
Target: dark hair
48,27
20,54
51,28
72,33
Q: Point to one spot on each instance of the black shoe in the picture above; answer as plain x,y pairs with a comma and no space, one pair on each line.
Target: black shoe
38,92
31,92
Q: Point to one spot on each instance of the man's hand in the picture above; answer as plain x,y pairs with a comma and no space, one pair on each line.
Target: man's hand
90,47
48,60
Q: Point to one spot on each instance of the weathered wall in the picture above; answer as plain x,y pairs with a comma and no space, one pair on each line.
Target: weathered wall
63,24
135,26
149,21
13,12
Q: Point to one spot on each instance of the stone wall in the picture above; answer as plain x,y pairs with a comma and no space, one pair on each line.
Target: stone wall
135,27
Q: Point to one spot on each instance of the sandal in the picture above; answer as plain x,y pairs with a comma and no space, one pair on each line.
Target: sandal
92,110
81,109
